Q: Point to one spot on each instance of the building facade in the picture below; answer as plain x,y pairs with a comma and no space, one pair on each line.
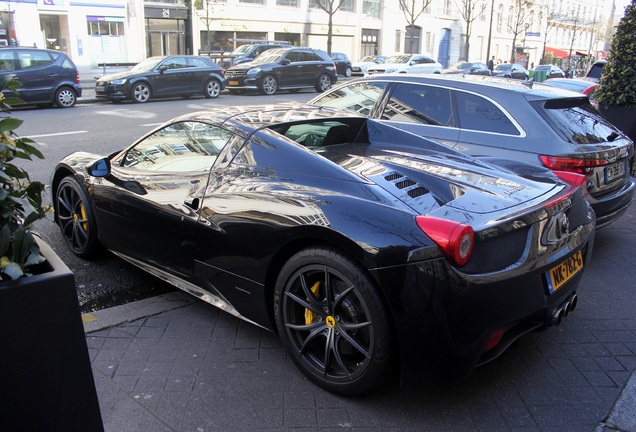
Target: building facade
93,32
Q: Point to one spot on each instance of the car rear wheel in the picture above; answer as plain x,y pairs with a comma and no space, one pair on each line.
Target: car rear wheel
75,218
269,85
333,321
140,93
347,71
65,98
212,89
324,83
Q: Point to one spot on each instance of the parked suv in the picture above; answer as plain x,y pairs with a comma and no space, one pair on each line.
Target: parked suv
46,76
342,62
248,52
283,69
505,119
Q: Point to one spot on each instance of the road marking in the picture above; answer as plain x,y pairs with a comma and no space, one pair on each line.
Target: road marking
151,124
57,134
128,113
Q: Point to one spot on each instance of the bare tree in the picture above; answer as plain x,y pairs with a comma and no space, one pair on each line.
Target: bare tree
574,21
516,23
549,8
331,7
412,10
209,8
470,10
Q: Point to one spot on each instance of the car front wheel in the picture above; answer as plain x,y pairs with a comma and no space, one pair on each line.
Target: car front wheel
65,98
75,218
269,85
140,93
347,72
212,89
333,322
324,83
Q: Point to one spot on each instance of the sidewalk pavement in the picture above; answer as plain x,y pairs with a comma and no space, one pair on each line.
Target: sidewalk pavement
175,363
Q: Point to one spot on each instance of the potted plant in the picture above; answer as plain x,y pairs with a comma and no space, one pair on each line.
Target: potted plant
45,371
616,92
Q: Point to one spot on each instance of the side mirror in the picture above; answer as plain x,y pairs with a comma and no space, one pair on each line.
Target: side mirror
285,62
99,168
163,68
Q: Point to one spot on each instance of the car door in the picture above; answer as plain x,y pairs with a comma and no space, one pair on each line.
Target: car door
147,209
425,110
36,72
174,77
294,73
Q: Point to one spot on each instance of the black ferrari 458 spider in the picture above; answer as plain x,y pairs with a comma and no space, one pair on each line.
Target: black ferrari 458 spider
370,250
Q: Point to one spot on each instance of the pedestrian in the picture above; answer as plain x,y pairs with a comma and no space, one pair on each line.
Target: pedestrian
491,64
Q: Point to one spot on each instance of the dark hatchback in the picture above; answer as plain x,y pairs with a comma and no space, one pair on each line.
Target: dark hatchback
470,68
163,76
283,69
510,119
46,77
342,62
508,70
371,251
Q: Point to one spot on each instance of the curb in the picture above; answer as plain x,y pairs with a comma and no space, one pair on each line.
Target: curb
622,417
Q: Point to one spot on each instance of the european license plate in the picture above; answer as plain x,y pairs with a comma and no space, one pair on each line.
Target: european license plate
559,275
614,171
233,82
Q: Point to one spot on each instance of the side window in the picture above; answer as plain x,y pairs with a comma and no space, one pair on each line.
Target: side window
29,59
476,113
414,103
198,62
180,147
295,56
313,57
67,64
359,98
7,61
175,63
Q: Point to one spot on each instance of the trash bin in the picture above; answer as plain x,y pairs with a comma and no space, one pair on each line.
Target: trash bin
540,76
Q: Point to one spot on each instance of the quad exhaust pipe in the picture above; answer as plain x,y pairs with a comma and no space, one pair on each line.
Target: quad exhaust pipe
564,309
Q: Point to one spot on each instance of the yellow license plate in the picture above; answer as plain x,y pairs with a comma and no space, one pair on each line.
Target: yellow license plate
233,82
559,275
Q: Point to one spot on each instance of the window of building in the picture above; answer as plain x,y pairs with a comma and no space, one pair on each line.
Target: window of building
290,3
253,1
371,8
347,5
500,18
105,26
398,36
412,40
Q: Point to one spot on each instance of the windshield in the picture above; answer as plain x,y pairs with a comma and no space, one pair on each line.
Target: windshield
462,65
397,59
147,65
503,67
269,56
243,49
366,59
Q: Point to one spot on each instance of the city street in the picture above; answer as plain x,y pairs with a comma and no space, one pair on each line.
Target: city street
192,367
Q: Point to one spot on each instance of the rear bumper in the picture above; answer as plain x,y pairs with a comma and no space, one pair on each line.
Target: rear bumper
611,206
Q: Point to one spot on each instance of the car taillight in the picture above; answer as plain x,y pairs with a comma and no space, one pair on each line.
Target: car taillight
574,180
455,240
589,90
77,80
576,165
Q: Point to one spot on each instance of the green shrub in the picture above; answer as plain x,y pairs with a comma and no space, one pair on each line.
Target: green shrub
618,81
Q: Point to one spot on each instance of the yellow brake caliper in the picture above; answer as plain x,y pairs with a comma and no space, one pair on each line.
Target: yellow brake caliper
83,212
309,315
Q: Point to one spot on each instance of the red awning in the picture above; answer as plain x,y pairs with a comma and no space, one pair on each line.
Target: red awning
556,53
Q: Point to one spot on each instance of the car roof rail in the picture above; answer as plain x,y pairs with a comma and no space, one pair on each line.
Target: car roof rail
260,41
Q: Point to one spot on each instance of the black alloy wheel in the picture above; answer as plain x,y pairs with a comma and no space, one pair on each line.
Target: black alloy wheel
75,218
347,72
140,93
333,321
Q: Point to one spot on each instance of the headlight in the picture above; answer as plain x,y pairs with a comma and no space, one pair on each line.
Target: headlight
391,70
118,81
253,72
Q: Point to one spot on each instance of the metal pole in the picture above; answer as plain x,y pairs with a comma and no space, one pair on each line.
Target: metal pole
492,13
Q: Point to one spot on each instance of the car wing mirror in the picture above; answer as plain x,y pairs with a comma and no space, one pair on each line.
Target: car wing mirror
99,168
285,62
163,68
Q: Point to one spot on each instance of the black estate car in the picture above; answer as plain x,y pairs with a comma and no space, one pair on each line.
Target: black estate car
342,62
504,118
284,69
374,253
163,76
47,77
